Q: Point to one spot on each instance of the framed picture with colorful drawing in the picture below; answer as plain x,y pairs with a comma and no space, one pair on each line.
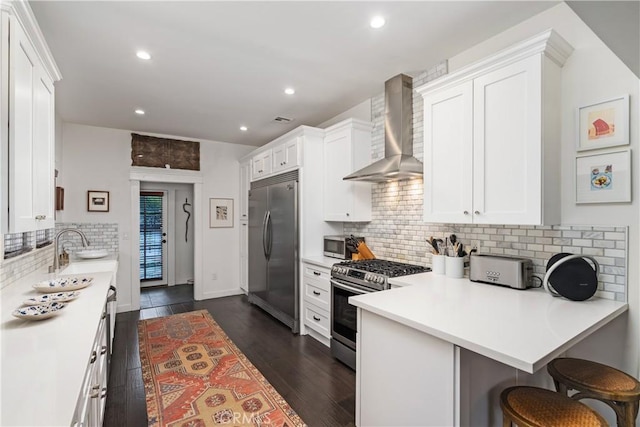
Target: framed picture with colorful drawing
220,213
604,177
604,124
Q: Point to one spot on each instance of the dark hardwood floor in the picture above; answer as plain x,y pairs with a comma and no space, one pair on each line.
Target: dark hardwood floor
318,387
165,295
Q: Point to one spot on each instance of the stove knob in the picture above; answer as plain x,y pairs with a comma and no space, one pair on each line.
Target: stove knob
380,279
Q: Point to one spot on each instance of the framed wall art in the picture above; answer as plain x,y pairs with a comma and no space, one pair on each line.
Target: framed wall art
604,177
220,213
604,124
97,201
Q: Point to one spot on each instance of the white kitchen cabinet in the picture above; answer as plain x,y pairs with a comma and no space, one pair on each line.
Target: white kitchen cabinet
93,394
492,133
316,290
285,155
245,178
347,148
28,72
244,256
261,165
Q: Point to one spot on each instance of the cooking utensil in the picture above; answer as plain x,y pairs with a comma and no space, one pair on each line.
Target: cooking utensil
433,245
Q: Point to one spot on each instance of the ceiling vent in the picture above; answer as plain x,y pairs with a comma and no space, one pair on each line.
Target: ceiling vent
280,119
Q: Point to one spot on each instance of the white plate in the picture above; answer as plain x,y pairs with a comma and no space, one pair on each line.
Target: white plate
62,284
39,312
92,254
47,298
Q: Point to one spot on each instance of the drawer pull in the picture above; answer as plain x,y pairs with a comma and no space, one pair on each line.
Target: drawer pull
317,273
104,393
316,293
103,350
316,318
95,394
94,356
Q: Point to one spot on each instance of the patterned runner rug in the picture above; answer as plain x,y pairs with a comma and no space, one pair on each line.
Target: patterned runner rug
195,376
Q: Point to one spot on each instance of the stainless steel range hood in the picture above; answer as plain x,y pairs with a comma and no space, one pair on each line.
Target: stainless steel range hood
398,162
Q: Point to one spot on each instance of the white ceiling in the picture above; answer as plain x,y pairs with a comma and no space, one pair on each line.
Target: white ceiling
218,65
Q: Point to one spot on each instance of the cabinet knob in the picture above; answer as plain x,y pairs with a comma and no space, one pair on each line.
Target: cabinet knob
466,212
347,213
476,212
244,225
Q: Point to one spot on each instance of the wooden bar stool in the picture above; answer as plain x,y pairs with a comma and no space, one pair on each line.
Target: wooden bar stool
538,407
594,380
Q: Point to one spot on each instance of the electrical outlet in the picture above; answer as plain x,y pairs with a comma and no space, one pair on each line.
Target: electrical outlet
475,244
214,276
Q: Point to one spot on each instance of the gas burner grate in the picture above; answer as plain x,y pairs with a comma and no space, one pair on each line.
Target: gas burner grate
384,267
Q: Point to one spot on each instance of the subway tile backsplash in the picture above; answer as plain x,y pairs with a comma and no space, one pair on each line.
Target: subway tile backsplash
397,231
100,236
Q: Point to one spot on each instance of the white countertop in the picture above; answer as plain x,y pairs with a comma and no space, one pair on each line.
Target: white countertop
43,363
521,328
321,261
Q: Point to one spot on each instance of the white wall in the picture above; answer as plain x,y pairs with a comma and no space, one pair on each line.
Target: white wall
96,158
591,74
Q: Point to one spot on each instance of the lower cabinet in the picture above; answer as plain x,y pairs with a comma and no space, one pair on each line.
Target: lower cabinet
316,313
93,395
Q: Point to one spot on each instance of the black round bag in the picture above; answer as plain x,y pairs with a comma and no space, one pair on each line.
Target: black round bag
571,276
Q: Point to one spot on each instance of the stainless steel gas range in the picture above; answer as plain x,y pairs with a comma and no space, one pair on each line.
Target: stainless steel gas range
351,278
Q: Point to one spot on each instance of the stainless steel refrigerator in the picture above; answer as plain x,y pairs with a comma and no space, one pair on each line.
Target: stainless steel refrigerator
273,247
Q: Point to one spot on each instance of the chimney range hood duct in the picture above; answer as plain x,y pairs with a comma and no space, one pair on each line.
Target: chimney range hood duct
398,162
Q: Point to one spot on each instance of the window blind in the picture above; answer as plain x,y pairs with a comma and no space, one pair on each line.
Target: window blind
151,235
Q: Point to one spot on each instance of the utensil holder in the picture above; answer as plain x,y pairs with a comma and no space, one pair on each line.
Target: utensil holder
438,264
454,267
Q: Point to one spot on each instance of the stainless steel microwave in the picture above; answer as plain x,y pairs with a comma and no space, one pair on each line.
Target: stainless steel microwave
336,246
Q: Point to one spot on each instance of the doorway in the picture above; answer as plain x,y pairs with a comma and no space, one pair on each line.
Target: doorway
153,238
143,179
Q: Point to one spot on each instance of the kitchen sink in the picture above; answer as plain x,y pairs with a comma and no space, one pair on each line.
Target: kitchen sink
95,266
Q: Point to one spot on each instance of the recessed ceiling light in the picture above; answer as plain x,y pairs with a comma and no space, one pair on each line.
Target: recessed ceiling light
243,128
143,55
289,91
377,22
140,112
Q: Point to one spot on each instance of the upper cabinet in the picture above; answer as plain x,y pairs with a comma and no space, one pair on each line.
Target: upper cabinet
347,148
261,165
28,142
492,138
285,155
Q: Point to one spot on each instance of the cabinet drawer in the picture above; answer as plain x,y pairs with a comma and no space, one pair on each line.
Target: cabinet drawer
317,295
317,320
317,272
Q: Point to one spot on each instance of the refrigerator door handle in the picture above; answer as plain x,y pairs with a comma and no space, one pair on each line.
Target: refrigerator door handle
269,234
264,234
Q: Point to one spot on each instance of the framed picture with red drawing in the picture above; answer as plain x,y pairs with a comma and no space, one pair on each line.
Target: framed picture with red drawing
603,124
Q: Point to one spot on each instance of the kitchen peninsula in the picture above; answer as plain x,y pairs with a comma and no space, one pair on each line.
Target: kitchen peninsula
438,351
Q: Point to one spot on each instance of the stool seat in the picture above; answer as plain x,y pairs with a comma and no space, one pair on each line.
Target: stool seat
538,407
593,380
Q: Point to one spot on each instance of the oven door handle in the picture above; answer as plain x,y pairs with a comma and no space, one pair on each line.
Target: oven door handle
349,288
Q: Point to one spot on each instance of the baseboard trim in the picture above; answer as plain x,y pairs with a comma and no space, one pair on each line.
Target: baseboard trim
221,294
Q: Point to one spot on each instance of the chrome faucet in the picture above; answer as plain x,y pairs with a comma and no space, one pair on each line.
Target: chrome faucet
56,263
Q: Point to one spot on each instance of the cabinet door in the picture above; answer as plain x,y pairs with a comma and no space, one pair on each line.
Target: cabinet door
245,172
285,155
448,133
261,165
507,169
244,256
337,192
43,150
23,73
